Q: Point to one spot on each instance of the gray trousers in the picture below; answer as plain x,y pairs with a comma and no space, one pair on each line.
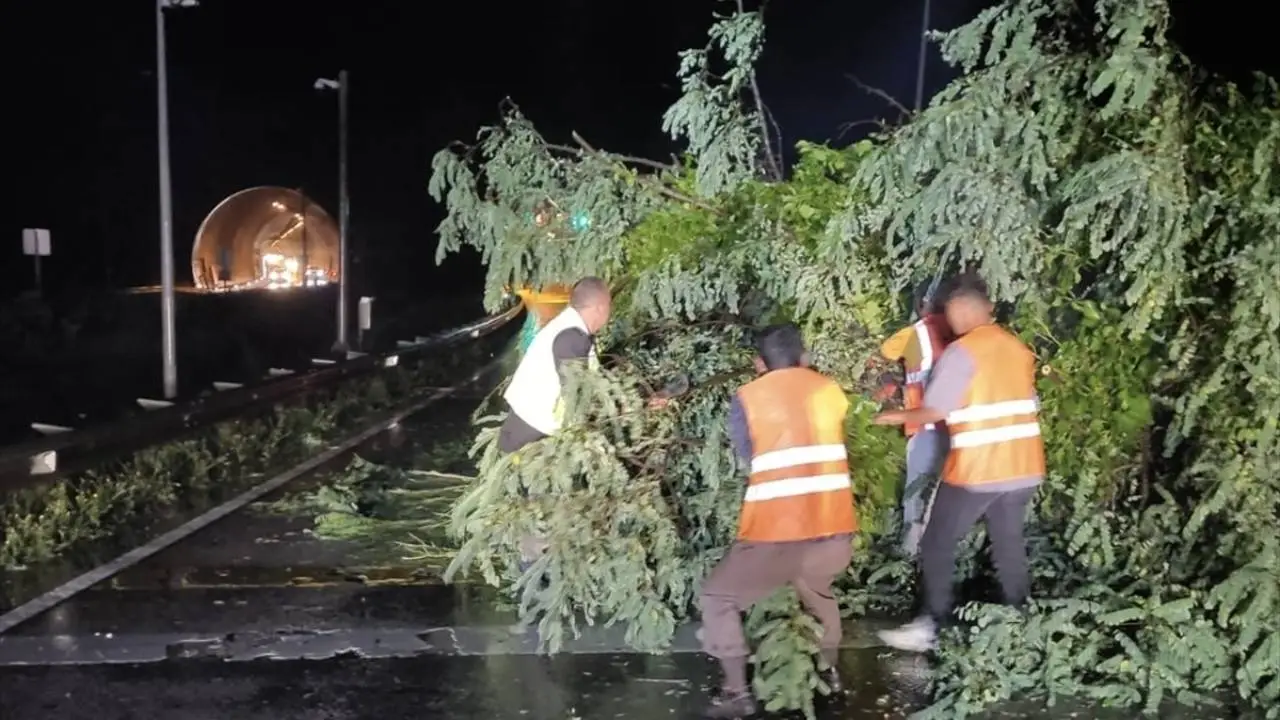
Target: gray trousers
752,571
926,450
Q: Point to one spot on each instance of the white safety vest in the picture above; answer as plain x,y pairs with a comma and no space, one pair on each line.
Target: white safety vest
534,392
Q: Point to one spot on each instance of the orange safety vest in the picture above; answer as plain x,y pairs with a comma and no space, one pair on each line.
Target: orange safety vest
799,485
930,337
995,434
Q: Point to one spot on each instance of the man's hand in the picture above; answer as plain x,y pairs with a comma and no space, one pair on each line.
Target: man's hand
885,392
922,416
679,385
893,417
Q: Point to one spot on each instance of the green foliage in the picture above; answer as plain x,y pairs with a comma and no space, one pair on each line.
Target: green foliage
782,632
372,507
719,131
619,565
1125,203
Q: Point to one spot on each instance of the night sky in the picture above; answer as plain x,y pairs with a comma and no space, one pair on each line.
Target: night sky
243,112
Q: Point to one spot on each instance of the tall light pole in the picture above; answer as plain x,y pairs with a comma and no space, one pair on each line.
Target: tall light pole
169,345
920,63
344,204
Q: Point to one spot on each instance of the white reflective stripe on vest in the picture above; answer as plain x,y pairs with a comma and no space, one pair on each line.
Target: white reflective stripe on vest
792,487
926,346
992,411
803,455
921,376
991,436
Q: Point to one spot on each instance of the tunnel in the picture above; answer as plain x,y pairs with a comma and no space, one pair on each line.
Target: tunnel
265,237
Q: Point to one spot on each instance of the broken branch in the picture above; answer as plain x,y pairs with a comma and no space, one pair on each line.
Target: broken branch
893,102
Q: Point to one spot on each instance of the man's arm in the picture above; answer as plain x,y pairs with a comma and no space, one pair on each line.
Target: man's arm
516,433
569,345
739,432
945,393
896,346
903,346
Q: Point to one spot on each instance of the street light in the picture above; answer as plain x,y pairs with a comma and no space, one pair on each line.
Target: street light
920,63
169,347
344,209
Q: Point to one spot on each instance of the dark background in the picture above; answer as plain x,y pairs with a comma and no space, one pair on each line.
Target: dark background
81,91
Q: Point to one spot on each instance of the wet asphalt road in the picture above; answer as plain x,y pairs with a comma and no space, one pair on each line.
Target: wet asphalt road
496,687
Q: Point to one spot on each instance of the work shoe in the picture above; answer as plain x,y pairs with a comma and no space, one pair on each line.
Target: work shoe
919,635
831,677
731,707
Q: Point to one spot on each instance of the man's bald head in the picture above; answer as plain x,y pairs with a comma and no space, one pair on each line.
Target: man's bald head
590,296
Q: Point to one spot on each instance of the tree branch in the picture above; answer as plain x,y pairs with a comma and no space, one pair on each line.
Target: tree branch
681,197
773,169
891,100
585,148
773,123
846,127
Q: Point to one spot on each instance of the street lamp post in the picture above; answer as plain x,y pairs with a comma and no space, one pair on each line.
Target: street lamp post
344,204
923,59
169,346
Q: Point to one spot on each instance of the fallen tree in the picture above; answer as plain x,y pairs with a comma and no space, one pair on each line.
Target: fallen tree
1121,204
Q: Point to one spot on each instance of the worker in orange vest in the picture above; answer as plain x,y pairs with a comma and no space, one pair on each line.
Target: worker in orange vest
984,388
797,520
918,346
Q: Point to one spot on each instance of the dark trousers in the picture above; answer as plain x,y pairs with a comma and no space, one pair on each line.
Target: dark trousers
514,435
955,512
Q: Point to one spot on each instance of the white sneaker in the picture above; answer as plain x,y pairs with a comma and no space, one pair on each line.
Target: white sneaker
919,635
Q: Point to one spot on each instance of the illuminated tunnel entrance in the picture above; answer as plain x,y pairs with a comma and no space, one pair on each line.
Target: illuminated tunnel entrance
265,237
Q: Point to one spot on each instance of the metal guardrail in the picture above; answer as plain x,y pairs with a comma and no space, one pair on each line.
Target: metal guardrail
52,454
